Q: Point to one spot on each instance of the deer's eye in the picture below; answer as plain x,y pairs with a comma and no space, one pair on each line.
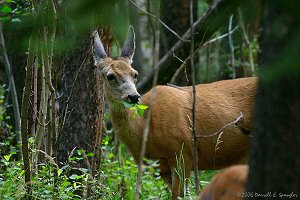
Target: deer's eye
110,77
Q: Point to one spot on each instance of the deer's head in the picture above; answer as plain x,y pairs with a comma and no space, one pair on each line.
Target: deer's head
118,75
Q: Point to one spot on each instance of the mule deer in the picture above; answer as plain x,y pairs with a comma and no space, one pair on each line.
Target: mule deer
217,104
227,185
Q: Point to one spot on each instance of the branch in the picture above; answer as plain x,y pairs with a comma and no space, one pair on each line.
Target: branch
231,48
48,157
220,37
148,114
204,27
221,129
198,48
194,142
11,86
24,114
165,25
242,24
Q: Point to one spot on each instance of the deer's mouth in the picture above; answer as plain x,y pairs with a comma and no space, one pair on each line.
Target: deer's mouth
132,98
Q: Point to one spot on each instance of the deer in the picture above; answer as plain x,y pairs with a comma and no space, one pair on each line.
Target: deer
217,104
227,185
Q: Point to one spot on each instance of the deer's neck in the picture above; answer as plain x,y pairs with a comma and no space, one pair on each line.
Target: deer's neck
119,115
128,129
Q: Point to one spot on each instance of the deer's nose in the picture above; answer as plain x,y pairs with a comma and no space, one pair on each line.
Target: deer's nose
134,98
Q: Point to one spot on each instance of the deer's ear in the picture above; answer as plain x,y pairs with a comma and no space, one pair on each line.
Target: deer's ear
129,45
98,49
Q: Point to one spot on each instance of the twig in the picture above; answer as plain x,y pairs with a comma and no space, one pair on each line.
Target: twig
48,157
167,62
220,37
148,115
194,142
207,50
40,119
158,19
200,46
179,69
35,98
231,47
11,85
242,24
221,129
219,141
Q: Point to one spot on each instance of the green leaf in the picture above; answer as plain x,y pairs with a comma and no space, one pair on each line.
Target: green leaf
90,154
106,116
72,158
31,140
7,157
110,155
84,170
16,20
134,115
73,176
6,9
80,151
128,105
142,107
79,177
140,112
132,108
127,162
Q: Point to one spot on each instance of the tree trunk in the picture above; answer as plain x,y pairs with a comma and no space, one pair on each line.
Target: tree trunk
81,103
274,160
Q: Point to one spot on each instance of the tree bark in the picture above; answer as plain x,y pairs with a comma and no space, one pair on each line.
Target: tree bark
274,160
25,115
81,107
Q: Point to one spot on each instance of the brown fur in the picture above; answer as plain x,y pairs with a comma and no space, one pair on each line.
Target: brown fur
226,185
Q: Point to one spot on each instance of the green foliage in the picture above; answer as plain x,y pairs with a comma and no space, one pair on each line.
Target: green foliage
11,179
119,173
11,11
116,177
6,134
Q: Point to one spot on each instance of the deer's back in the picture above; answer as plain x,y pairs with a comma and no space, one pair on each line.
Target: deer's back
217,104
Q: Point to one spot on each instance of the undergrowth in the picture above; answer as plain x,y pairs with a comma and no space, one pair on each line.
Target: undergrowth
116,178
